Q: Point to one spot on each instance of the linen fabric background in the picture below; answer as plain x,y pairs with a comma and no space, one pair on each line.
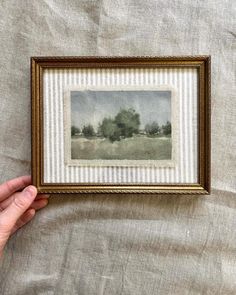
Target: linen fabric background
121,244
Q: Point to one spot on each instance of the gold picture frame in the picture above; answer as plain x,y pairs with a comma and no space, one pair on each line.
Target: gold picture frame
201,64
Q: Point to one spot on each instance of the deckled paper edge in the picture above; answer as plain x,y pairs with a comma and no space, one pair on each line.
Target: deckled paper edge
121,163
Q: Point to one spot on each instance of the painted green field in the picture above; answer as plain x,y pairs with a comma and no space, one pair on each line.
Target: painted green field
134,148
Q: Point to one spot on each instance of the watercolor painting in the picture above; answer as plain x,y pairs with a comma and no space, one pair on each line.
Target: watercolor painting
121,125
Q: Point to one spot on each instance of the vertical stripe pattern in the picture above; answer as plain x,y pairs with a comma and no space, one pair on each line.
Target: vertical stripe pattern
184,80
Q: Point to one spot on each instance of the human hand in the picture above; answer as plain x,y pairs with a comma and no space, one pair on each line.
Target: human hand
17,207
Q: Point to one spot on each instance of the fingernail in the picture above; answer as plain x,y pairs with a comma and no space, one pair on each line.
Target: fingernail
31,212
45,196
46,202
31,190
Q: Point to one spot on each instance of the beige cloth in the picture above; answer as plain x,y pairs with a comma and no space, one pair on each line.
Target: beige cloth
121,244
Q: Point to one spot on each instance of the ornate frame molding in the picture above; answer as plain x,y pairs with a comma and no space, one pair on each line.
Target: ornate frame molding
202,63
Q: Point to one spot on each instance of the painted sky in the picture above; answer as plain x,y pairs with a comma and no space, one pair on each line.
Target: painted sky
90,107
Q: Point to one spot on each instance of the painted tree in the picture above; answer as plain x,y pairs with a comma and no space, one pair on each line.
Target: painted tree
74,130
153,128
109,129
166,129
88,131
128,121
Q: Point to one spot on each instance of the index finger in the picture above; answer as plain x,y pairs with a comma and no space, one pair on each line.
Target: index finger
13,185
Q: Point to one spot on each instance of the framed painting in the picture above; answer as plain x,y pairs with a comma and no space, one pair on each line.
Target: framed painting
121,124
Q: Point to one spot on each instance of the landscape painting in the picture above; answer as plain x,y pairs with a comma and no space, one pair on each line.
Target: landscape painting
118,125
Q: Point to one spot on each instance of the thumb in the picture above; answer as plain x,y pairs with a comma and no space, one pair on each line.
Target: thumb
21,202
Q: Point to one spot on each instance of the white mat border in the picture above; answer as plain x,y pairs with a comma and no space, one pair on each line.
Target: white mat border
54,83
